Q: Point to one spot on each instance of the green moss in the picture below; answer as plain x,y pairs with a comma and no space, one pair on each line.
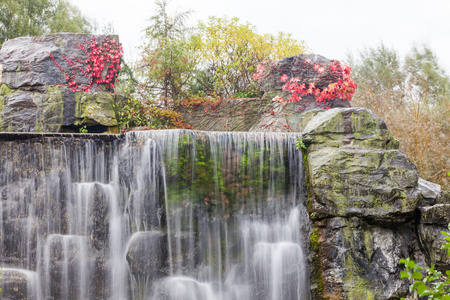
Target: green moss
5,90
307,182
52,106
357,288
95,108
222,184
314,239
37,126
317,286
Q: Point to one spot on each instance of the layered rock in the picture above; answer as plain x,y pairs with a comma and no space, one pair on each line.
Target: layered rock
264,114
367,203
34,96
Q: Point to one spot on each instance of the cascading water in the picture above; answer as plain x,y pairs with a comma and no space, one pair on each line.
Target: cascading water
153,215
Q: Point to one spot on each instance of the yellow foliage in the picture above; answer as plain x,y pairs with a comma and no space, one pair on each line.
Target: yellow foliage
232,50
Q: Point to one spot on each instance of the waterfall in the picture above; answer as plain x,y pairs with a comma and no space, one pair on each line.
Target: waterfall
170,214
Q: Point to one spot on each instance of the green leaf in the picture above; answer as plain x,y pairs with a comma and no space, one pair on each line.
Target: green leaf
404,274
426,293
445,233
416,275
410,265
447,297
417,268
420,287
403,261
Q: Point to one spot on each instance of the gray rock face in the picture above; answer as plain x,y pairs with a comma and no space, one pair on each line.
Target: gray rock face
371,184
18,284
434,211
357,259
33,97
365,197
27,62
147,252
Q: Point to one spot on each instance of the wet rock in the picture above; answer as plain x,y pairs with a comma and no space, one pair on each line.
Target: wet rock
18,284
356,127
147,255
19,242
99,211
362,262
371,184
66,262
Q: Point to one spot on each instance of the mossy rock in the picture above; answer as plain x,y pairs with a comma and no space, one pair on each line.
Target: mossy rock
374,184
360,261
95,109
357,127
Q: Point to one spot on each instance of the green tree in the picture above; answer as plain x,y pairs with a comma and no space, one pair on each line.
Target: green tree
428,79
37,17
168,59
65,17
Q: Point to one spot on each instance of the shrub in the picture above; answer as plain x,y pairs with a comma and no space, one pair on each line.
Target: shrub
149,114
412,96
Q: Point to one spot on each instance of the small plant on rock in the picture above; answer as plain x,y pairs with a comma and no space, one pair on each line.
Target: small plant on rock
428,282
300,144
149,114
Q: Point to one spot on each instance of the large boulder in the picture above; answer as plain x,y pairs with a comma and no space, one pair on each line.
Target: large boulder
302,67
369,207
355,169
30,61
147,255
375,184
34,91
354,127
360,261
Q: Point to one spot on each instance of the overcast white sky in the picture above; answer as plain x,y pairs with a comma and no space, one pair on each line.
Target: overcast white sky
329,27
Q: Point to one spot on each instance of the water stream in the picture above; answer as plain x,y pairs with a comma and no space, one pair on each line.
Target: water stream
153,215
